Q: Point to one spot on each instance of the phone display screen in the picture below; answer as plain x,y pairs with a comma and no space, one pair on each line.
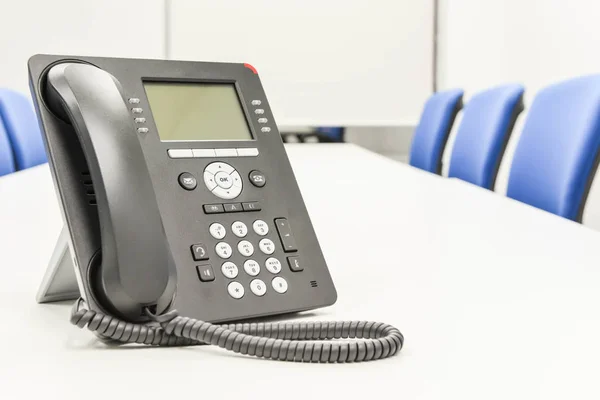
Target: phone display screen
197,111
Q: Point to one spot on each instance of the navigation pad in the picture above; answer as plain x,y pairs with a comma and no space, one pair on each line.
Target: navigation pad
223,180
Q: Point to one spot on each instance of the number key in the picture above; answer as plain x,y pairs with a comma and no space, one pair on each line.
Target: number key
260,227
239,229
258,287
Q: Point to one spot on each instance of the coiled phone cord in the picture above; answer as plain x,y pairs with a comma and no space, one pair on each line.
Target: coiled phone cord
298,341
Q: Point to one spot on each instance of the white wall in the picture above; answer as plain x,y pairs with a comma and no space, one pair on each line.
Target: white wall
118,28
535,42
322,62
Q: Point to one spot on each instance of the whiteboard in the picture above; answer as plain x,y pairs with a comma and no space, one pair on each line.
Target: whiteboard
321,62
111,28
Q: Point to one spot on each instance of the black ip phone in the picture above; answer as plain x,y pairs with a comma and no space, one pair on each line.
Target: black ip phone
180,207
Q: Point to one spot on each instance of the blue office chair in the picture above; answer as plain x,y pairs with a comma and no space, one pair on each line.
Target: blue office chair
487,123
21,125
330,135
431,135
7,161
557,155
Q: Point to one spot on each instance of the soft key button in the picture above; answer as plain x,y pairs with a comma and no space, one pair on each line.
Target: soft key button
247,152
201,153
180,153
226,152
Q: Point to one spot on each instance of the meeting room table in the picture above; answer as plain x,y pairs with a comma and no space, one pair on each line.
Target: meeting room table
496,299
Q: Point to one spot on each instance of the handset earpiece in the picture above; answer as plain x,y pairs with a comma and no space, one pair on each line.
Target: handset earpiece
137,270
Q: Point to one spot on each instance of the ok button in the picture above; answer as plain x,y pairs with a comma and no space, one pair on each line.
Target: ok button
223,179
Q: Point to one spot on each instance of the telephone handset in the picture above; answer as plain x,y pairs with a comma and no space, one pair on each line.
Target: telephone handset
177,194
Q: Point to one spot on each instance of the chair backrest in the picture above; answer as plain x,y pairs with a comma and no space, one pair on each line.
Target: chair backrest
487,123
333,134
557,155
7,161
21,125
432,133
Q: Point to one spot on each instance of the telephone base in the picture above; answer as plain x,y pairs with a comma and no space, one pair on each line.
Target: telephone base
60,282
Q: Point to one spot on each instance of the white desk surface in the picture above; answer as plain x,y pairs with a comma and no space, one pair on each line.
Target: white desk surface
496,300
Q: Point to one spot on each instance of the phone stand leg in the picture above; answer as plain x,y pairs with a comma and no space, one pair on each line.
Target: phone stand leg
59,281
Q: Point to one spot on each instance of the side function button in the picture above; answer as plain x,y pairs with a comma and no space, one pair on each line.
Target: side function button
256,102
180,153
236,290
233,207
137,110
187,181
251,267
139,120
285,235
223,250
263,120
294,264
245,248
279,284
142,130
265,129
239,229
217,231
251,206
134,100
213,208
199,252
273,265
229,269
258,287
257,178
260,227
259,111
266,246
205,273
